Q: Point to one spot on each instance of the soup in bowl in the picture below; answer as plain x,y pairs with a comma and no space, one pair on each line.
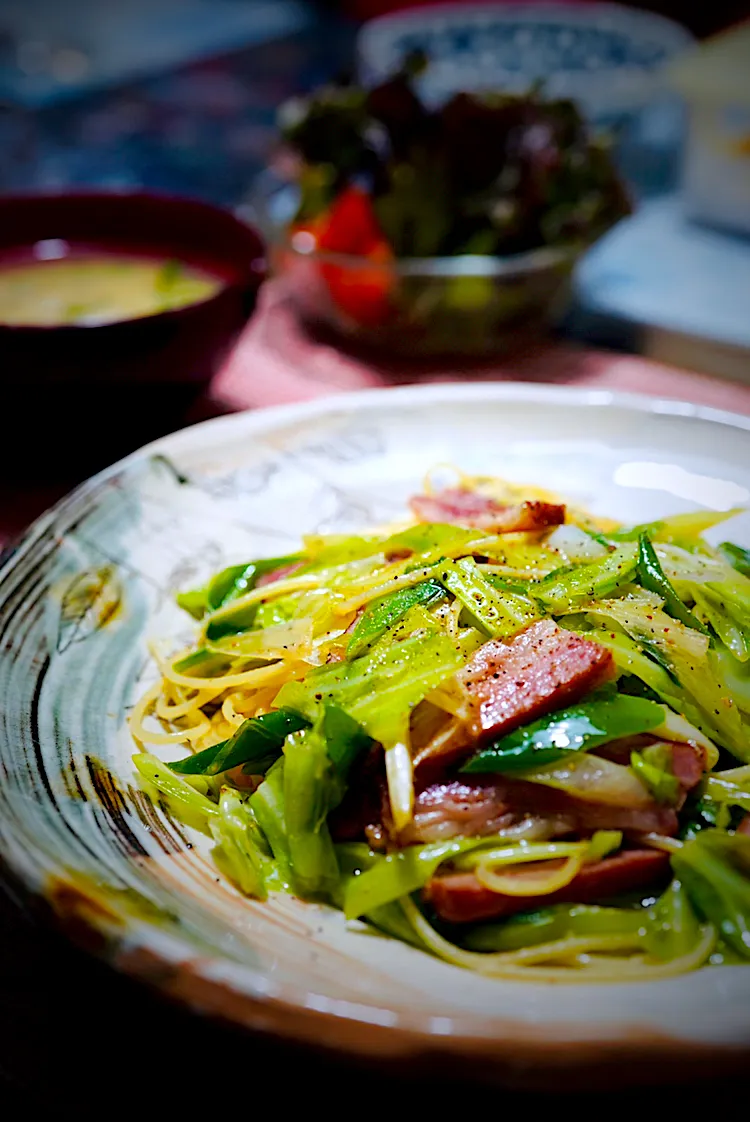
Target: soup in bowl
116,311
93,288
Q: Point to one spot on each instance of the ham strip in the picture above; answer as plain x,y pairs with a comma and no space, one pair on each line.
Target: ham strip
688,764
460,898
360,811
688,760
469,508
543,668
457,809
484,805
278,574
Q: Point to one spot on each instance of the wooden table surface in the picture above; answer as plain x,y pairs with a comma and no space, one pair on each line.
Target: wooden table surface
80,1041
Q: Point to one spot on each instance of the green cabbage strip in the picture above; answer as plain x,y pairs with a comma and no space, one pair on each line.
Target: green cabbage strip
390,919
720,594
703,696
653,766
241,850
207,664
383,880
652,577
309,794
497,614
185,797
379,690
730,788
317,764
229,585
631,659
354,858
427,544
513,852
567,587
400,874
673,928
267,804
240,631
558,921
730,621
505,584
714,867
381,687
387,611
736,674
335,551
293,803
578,728
193,602
677,527
737,557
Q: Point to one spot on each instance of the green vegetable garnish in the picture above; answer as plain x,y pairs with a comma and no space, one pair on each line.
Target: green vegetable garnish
494,612
737,557
256,744
676,528
241,851
568,587
651,576
578,728
386,612
673,929
557,922
715,869
226,586
653,767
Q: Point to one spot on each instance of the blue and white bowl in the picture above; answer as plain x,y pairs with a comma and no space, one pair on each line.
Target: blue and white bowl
607,57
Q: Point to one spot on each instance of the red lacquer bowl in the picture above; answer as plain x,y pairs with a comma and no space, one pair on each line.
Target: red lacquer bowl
93,392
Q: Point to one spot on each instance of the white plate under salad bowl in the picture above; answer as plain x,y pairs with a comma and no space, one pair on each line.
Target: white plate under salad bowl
94,579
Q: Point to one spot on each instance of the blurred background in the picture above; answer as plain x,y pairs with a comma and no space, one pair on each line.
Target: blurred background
181,96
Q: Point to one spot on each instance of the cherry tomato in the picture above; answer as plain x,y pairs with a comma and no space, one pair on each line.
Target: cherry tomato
362,293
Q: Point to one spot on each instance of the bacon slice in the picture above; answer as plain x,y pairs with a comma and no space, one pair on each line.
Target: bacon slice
688,760
586,817
457,809
543,668
469,508
362,806
278,574
688,765
479,806
460,898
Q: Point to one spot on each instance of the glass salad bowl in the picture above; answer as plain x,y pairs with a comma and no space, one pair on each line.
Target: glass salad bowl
452,306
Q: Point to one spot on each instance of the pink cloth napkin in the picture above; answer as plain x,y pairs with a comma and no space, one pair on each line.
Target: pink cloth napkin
276,362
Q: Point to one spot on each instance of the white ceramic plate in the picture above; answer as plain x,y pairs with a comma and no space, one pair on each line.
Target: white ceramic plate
94,579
